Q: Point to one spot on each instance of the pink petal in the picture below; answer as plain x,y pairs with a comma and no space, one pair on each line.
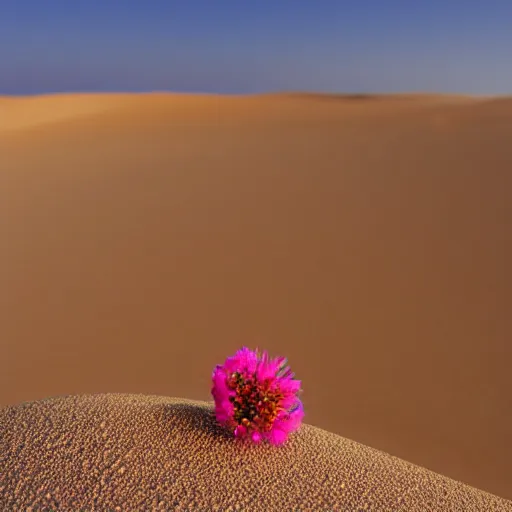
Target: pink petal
289,422
290,385
220,388
256,437
231,365
223,411
295,419
289,402
244,360
278,436
240,431
267,369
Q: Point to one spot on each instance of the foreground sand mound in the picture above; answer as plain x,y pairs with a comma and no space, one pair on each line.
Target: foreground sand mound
126,452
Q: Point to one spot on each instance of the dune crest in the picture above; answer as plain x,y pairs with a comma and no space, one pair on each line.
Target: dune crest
19,113
126,452
28,112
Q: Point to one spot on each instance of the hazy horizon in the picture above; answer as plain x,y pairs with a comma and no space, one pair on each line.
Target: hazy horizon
229,48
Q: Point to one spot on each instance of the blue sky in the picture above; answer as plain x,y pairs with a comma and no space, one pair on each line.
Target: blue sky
245,46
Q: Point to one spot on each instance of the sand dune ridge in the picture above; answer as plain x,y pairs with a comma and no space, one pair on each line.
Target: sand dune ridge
126,452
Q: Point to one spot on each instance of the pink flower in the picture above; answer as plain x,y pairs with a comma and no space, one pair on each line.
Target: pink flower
256,397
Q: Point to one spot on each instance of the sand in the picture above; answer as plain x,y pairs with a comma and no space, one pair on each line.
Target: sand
136,452
143,238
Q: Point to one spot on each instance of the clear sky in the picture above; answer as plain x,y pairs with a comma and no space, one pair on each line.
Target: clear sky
243,46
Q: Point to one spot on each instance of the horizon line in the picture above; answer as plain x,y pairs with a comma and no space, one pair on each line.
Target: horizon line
278,92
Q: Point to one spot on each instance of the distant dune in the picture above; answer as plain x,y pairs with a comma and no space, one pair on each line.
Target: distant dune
145,237
134,452
26,112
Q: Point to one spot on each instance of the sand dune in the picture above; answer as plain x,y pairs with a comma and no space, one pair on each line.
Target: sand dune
27,112
145,237
135,452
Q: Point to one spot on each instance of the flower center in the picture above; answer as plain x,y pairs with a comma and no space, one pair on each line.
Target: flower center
256,405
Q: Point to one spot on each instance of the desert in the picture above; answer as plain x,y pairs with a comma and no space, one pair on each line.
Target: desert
367,238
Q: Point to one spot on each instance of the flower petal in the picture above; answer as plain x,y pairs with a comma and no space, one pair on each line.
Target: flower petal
256,437
289,402
289,385
244,360
290,421
220,388
295,418
277,436
240,432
